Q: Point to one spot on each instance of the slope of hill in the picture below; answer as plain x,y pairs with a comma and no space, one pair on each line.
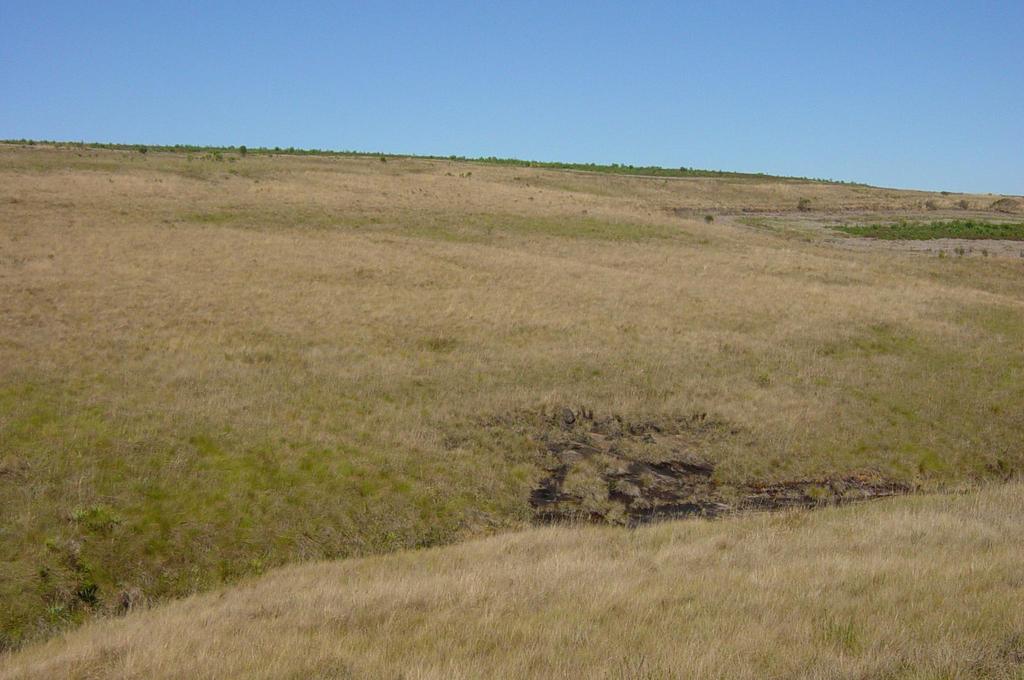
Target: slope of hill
211,364
242,151
917,587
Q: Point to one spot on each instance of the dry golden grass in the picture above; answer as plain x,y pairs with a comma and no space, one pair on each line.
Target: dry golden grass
210,368
916,587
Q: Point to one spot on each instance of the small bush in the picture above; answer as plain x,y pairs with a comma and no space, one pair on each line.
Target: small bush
709,218
1007,205
803,205
88,592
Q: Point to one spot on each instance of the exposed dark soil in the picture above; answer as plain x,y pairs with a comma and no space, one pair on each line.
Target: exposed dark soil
609,470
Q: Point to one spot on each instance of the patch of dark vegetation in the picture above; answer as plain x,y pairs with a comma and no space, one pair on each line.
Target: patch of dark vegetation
615,471
922,231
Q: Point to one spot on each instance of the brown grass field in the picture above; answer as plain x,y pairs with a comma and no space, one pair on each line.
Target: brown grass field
917,587
209,368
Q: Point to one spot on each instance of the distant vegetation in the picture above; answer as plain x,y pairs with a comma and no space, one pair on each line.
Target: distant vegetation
613,168
922,231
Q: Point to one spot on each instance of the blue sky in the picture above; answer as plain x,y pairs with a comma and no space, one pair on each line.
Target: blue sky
906,94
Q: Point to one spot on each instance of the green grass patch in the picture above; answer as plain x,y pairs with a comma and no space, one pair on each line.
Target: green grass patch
98,500
923,231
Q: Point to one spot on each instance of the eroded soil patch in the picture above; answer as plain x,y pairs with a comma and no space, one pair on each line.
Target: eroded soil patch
611,470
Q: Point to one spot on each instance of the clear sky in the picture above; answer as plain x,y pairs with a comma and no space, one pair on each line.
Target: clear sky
907,94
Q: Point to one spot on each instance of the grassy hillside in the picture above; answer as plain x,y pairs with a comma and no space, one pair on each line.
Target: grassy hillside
219,152
213,365
919,587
